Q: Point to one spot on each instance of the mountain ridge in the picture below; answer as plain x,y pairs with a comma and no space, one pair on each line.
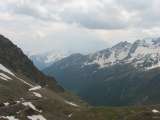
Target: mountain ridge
26,93
103,77
124,52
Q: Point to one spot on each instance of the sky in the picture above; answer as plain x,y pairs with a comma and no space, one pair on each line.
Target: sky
77,25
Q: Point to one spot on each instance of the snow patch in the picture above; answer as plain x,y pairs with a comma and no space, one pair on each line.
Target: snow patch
35,88
70,115
23,81
29,104
3,68
18,102
37,94
9,117
71,103
6,103
36,117
155,111
5,76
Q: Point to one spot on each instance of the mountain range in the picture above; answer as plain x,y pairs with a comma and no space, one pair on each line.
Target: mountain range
125,74
27,94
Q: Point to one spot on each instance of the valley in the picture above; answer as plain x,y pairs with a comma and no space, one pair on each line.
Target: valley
125,74
28,94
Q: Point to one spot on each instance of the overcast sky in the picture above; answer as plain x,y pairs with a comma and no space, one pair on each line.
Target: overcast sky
77,25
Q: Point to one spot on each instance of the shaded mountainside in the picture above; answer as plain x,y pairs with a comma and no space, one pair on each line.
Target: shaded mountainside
12,57
126,74
28,94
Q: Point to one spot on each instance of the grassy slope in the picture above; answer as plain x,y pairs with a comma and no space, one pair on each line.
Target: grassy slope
119,113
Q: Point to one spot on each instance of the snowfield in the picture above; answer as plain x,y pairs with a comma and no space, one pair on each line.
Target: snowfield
141,54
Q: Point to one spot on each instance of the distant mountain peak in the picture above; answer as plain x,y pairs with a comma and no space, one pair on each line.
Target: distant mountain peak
122,45
46,59
139,54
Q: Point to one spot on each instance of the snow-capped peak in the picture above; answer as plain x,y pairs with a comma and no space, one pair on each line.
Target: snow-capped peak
111,56
122,45
141,54
46,59
53,57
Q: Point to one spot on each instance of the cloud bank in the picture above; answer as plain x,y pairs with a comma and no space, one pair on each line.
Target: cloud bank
77,25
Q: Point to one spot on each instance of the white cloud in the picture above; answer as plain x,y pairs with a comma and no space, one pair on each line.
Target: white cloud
77,25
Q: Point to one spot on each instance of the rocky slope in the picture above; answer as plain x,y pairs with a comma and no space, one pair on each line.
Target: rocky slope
28,94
